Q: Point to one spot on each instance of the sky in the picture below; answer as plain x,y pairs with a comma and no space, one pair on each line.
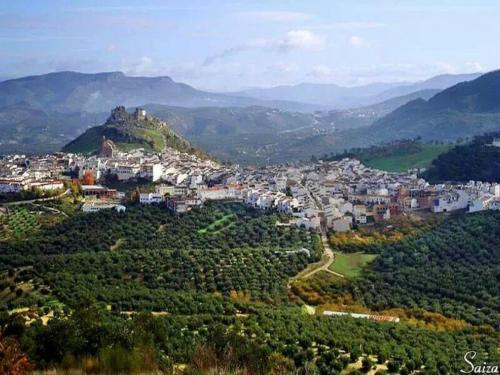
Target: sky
224,45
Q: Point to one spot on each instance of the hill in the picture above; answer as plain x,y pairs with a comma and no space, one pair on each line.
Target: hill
244,135
341,97
477,160
397,156
459,112
81,92
257,134
432,269
466,109
26,129
241,134
128,131
389,105
440,82
327,94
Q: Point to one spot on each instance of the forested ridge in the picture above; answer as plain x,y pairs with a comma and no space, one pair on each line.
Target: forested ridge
452,269
477,160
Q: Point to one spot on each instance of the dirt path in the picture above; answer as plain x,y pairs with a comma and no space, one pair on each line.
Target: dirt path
15,203
323,265
328,255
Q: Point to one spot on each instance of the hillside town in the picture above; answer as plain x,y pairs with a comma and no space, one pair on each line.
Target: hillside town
336,195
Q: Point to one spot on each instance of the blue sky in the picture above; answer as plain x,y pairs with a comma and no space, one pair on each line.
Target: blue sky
228,45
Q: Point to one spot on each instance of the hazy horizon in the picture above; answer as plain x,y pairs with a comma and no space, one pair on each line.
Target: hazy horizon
227,45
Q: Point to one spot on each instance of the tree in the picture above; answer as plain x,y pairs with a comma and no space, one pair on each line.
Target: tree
13,361
88,178
366,364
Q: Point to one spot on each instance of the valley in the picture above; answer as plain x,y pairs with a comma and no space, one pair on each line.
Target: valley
254,259
249,188
241,131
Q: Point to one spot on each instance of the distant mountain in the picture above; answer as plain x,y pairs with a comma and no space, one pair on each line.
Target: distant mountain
242,135
466,109
478,160
25,129
132,130
340,97
389,105
365,116
439,82
80,92
322,94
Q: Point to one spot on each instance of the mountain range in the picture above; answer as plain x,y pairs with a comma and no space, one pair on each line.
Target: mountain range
99,92
466,109
42,113
459,112
331,95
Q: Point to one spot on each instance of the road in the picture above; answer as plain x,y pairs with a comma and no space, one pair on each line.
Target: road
324,264
328,256
36,200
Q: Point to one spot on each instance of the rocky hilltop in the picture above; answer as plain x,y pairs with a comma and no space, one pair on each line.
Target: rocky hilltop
132,130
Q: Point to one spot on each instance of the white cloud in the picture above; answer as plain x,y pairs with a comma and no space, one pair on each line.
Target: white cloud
282,69
143,66
293,40
275,16
302,39
352,25
473,67
320,71
356,41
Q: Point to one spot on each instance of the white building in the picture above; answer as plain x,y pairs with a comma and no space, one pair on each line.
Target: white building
96,206
220,192
13,186
48,185
494,205
152,172
480,204
309,222
451,201
150,198
126,172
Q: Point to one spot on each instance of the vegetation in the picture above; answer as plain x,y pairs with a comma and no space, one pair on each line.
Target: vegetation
397,156
34,129
127,132
351,264
31,194
155,253
477,160
434,270
265,340
20,222
146,290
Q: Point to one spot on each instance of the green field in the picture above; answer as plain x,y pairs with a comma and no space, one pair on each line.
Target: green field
351,265
400,163
218,225
19,223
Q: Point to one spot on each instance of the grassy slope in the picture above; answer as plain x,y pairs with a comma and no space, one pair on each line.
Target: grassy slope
403,162
351,264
